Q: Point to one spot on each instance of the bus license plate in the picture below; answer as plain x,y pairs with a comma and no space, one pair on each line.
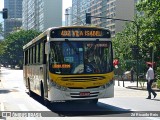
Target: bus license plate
84,93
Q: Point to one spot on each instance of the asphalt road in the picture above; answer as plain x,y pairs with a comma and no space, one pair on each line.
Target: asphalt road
14,97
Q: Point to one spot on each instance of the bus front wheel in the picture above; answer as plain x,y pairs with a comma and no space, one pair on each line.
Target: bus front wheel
94,101
44,100
29,89
91,101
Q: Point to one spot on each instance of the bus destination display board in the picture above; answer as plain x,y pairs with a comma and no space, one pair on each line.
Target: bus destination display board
80,33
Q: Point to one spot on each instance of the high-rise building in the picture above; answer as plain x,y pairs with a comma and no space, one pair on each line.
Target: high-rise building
120,9
41,14
14,20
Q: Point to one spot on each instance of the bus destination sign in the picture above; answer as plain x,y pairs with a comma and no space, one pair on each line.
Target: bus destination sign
80,33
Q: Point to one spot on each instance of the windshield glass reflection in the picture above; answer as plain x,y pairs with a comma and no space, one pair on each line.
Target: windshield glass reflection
80,57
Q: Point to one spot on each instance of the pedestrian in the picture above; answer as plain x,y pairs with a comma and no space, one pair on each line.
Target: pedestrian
150,79
132,74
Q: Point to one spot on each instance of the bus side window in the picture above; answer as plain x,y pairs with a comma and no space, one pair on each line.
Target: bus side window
34,54
26,57
41,52
38,53
31,55
29,61
44,55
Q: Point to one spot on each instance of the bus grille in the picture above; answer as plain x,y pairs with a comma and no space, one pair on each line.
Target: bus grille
83,88
82,78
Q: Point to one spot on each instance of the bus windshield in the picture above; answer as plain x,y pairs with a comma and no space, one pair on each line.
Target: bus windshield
77,57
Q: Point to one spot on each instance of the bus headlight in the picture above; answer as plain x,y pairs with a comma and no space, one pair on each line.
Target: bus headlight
102,87
109,84
58,86
63,88
54,84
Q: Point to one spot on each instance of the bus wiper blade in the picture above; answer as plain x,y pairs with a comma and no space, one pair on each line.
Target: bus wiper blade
71,46
94,44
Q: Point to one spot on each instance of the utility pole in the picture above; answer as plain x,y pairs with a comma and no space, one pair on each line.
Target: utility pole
88,21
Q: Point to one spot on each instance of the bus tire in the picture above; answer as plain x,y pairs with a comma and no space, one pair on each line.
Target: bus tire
44,100
89,101
94,101
29,89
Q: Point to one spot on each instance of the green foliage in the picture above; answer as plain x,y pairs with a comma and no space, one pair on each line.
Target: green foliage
158,77
150,30
11,49
158,84
148,22
1,30
122,44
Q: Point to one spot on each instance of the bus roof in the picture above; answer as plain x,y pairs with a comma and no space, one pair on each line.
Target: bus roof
47,33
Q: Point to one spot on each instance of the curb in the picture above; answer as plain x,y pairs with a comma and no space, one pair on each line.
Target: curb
144,89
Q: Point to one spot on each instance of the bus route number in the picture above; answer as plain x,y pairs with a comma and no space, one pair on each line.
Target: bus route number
66,33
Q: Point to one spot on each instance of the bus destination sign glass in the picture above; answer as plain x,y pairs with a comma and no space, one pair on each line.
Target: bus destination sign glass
80,33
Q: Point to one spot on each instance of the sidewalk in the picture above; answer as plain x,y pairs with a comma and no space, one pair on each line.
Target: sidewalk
133,85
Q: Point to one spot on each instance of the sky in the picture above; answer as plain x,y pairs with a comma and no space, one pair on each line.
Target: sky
66,4
1,7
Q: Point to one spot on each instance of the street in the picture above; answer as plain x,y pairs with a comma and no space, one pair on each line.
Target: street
14,97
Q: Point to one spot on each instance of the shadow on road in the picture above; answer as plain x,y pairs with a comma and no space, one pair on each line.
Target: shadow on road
84,109
155,99
4,91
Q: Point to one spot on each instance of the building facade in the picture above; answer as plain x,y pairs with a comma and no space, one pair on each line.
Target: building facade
14,20
121,9
41,14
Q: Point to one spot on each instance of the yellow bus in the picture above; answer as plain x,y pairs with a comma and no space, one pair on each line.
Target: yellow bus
73,63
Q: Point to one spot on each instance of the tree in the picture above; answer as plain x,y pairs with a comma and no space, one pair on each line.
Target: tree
1,30
122,43
12,47
150,35
148,21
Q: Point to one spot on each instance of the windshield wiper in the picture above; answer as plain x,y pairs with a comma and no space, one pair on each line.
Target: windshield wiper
71,46
94,44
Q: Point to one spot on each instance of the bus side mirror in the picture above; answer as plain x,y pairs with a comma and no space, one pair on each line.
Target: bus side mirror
47,48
